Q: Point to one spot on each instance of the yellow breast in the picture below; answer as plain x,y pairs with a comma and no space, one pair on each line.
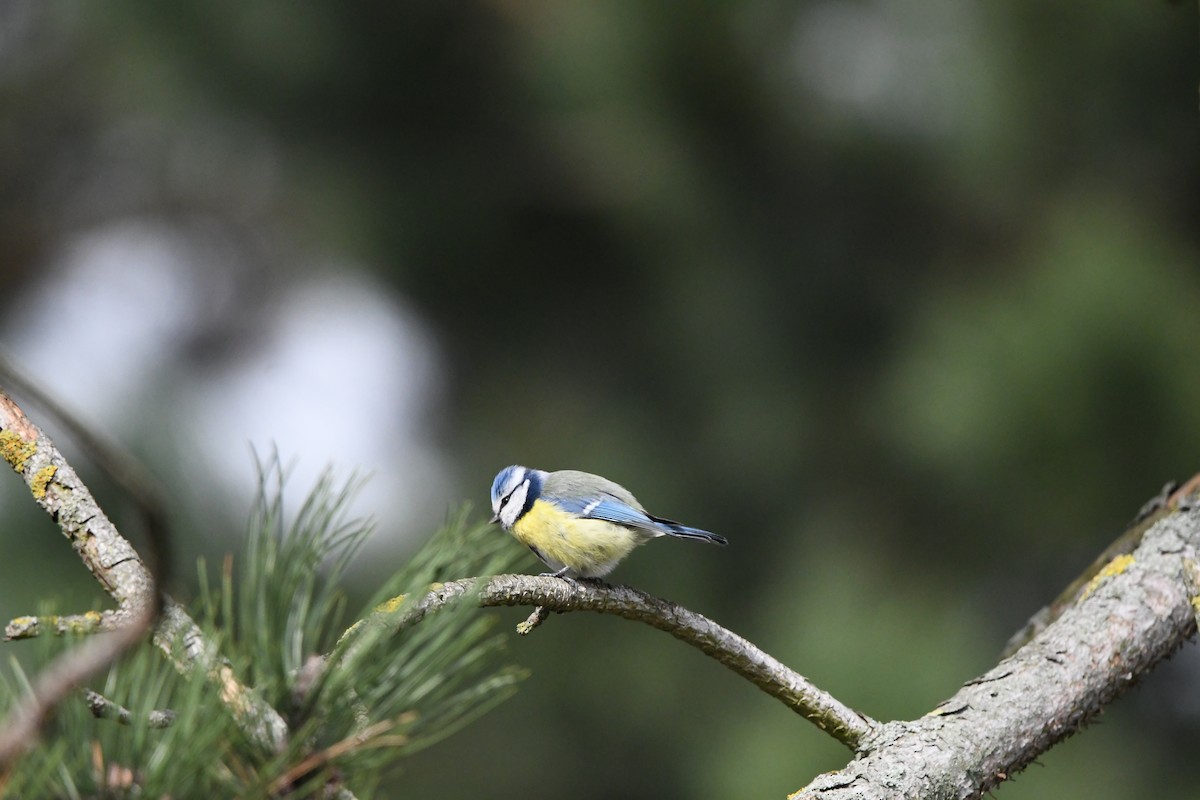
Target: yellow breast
589,547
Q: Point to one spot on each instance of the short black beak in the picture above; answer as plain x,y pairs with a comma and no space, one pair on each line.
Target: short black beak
495,518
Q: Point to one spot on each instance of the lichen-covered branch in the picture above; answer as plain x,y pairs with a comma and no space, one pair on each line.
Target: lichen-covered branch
1135,612
118,568
19,729
57,489
558,595
65,624
178,635
1167,501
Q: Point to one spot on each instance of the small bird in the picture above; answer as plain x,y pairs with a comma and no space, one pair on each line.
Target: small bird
580,525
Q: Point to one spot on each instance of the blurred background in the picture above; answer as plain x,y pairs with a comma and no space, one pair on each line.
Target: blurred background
902,298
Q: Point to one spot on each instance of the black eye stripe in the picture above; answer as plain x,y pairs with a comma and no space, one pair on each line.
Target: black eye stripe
508,496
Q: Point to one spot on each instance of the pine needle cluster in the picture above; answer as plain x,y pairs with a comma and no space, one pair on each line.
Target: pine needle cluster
356,700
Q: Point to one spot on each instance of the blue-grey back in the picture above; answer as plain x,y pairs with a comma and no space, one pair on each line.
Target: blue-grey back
574,483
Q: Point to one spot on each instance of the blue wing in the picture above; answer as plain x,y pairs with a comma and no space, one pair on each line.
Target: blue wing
610,509
606,508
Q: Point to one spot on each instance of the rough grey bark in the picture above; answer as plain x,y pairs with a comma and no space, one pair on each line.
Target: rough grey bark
1136,612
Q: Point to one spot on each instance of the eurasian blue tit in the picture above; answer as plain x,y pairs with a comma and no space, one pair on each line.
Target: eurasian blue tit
578,524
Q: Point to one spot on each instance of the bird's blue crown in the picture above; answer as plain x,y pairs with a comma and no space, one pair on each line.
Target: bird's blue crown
506,479
511,477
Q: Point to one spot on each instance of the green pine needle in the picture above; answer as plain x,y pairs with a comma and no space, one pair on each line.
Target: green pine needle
274,613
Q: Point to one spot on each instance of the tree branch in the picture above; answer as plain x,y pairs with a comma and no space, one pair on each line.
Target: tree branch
58,490
181,639
118,568
1157,507
18,730
1135,612
66,624
744,658
103,708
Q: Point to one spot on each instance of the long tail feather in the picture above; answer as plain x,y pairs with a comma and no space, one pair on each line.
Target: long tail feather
672,528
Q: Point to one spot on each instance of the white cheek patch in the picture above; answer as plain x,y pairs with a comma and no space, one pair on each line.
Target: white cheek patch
514,479
512,509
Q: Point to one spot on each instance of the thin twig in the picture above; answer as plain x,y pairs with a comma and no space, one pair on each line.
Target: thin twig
555,594
539,615
103,708
18,730
66,624
369,737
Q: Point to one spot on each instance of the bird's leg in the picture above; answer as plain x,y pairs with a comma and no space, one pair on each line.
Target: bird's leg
563,573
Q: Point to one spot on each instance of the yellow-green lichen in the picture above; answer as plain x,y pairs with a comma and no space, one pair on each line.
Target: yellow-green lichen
351,630
1111,569
41,480
22,628
1191,579
84,623
386,607
15,450
389,606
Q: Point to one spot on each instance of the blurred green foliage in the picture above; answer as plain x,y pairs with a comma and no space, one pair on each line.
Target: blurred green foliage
901,298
